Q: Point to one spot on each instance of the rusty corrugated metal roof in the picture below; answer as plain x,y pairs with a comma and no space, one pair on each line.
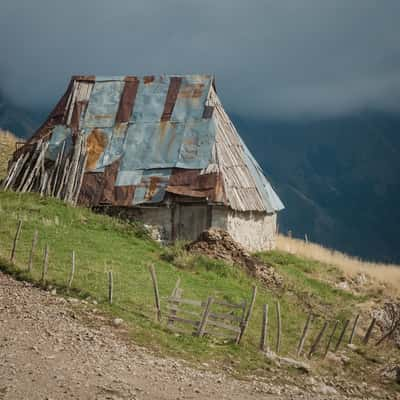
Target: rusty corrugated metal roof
155,135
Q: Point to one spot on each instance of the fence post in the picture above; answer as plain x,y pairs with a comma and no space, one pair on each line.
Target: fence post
71,278
331,338
45,263
369,331
156,292
16,237
176,293
32,252
279,326
264,328
346,324
304,334
204,318
354,329
248,315
110,287
317,340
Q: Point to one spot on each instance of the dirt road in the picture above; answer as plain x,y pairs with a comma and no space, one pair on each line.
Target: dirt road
48,350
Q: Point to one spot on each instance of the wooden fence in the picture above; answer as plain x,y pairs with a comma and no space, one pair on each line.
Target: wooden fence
214,317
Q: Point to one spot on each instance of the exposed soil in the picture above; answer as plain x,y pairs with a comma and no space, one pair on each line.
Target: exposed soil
219,244
56,348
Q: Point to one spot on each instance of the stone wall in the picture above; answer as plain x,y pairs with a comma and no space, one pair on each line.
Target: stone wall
253,230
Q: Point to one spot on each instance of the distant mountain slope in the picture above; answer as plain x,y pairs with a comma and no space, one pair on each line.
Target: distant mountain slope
17,119
339,179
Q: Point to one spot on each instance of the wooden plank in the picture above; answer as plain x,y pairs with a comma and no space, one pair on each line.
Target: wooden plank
184,320
32,252
156,291
15,241
224,326
304,334
225,316
331,338
45,264
346,324
175,310
110,287
177,293
226,304
264,328
71,277
279,327
204,319
314,346
369,331
248,315
186,301
354,328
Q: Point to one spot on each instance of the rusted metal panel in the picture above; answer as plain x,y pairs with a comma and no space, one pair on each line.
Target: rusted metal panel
157,134
96,142
92,189
186,191
103,104
127,101
110,175
123,195
174,85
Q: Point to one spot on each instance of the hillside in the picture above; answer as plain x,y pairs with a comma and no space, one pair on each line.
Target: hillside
7,147
339,179
103,244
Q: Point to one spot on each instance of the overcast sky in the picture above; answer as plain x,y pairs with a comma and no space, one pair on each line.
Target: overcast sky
271,58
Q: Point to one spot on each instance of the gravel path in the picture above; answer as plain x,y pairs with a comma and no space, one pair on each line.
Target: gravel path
48,352
51,350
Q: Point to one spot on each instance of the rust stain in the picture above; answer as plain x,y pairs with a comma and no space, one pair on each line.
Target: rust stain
153,186
163,130
96,143
173,135
148,79
102,116
120,129
170,100
194,90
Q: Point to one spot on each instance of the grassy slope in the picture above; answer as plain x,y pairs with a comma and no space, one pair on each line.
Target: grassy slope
7,147
103,243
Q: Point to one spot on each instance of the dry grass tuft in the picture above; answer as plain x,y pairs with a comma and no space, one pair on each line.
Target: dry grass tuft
7,147
351,266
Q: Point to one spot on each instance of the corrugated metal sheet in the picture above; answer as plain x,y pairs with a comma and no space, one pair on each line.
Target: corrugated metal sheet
155,135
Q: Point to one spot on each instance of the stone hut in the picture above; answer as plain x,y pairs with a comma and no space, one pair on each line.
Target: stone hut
160,149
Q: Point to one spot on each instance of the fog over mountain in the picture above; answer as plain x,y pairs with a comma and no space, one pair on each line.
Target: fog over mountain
314,88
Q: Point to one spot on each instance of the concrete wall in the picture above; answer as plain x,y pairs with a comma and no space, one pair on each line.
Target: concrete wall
253,230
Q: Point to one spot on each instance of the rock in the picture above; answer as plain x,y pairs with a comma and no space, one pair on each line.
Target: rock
53,292
117,321
344,285
325,389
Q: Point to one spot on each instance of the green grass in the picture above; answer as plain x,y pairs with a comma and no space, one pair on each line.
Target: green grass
102,243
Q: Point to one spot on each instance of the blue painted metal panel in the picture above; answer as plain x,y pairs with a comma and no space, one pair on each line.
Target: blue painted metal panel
191,97
150,100
58,136
126,178
103,104
114,149
196,148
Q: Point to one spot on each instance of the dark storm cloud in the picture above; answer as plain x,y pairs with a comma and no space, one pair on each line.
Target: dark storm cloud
281,57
